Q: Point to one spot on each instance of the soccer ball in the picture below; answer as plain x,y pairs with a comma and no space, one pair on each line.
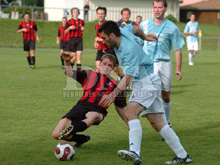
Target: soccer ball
64,151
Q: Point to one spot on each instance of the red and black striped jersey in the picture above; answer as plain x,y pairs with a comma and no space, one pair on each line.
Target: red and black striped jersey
61,34
95,86
102,46
77,32
136,24
31,26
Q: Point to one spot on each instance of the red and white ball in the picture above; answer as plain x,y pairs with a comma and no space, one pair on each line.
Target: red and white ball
64,151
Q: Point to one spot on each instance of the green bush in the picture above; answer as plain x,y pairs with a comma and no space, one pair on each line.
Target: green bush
171,18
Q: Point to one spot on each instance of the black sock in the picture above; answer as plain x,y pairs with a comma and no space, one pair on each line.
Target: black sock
72,64
33,60
62,61
78,67
29,60
76,138
79,127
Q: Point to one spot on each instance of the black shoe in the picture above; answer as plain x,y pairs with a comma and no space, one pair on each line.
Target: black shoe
66,132
131,156
178,160
85,139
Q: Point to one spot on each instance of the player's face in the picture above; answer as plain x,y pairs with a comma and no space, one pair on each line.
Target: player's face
139,19
75,13
108,40
26,17
159,10
106,66
63,21
101,15
192,18
125,16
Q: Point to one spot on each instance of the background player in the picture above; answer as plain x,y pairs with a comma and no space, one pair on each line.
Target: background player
62,40
30,32
125,16
168,35
191,31
87,112
138,20
74,27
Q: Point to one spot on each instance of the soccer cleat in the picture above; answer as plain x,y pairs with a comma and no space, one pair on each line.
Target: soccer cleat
191,63
82,141
30,66
33,67
130,155
66,132
178,160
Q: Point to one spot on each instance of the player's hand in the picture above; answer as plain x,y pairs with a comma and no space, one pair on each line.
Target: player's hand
58,42
38,39
67,57
72,27
150,37
24,30
107,100
82,28
96,45
97,39
179,75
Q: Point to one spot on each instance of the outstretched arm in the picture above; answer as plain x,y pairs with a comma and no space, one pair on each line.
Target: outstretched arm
68,67
148,37
178,64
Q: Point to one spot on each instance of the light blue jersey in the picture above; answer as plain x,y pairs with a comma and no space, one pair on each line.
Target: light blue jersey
190,28
167,34
131,55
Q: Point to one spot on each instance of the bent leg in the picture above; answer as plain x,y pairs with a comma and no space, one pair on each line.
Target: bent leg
166,103
60,127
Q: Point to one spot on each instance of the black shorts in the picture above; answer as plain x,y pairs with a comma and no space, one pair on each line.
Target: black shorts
29,45
79,111
120,100
100,53
75,44
63,45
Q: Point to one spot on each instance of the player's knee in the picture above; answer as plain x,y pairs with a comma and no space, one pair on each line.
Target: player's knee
95,116
55,135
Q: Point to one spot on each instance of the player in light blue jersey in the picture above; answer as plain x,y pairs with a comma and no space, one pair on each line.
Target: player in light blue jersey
168,35
192,30
146,89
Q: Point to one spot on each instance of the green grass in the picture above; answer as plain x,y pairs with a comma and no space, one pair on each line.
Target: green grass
48,33
32,103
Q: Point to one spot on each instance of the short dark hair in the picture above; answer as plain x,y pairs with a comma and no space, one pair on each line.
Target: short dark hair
164,2
26,13
139,16
101,8
126,9
75,8
110,57
64,18
110,27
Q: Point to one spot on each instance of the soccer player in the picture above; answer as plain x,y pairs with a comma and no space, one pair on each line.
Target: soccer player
74,27
138,20
87,112
192,30
98,44
125,16
146,90
168,35
62,40
30,32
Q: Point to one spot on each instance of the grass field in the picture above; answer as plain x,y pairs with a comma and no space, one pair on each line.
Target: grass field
32,103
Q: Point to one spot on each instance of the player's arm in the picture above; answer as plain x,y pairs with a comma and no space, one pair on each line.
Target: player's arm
148,37
20,29
96,44
121,112
178,54
37,36
68,28
58,37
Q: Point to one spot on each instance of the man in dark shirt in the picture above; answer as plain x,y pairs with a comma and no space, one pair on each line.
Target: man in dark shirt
30,33
87,111
125,16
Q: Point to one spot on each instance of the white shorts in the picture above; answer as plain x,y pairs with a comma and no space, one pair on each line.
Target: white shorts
164,70
192,46
147,92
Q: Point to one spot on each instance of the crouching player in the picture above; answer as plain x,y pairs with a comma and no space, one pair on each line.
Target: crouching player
87,111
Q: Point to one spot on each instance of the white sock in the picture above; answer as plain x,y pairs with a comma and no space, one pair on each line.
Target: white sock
135,135
190,57
173,141
167,108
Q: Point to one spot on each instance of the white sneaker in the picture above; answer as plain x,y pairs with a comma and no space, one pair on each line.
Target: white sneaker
178,160
130,155
191,63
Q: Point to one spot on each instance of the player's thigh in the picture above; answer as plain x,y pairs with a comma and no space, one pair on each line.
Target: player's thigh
93,117
195,46
71,47
166,75
60,126
26,44
79,44
32,44
189,46
133,110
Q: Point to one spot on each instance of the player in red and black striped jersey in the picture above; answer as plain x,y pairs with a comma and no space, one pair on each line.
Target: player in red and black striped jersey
74,28
138,20
62,39
101,47
30,33
87,111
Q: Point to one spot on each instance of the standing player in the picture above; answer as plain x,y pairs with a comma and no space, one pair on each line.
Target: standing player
191,30
29,30
74,27
146,90
168,34
138,20
125,16
62,40
87,112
